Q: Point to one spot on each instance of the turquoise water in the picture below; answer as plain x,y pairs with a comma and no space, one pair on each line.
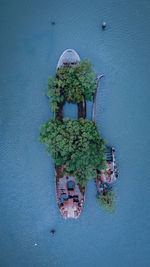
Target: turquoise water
30,48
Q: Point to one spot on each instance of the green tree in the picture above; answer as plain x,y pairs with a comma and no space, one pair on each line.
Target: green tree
77,145
71,84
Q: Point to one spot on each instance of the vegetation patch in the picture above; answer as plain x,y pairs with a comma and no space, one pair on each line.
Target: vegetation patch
77,145
72,84
107,201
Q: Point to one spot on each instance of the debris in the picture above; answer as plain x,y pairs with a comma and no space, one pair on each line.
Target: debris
52,232
103,25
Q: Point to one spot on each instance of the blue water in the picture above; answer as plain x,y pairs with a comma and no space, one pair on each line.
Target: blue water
30,48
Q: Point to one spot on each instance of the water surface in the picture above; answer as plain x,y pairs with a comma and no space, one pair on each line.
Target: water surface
30,48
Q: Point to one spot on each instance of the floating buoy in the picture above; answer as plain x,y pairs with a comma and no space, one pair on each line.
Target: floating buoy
53,23
52,232
103,25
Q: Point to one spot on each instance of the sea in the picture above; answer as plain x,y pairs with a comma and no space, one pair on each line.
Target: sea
33,35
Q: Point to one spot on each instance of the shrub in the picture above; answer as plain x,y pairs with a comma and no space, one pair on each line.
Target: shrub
107,201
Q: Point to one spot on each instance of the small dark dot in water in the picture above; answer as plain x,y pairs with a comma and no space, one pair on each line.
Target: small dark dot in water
53,23
103,25
52,232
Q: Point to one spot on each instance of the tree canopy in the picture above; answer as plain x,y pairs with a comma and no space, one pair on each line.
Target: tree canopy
72,84
77,145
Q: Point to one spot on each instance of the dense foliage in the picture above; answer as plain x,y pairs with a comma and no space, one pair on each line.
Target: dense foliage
107,201
77,145
71,84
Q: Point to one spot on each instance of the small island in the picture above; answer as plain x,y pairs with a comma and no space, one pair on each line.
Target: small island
76,146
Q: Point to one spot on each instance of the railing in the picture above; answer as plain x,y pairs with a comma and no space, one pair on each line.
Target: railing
94,98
